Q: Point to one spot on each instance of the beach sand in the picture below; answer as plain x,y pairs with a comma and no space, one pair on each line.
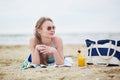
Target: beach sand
11,57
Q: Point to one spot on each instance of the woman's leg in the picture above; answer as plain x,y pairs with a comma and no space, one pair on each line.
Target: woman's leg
36,56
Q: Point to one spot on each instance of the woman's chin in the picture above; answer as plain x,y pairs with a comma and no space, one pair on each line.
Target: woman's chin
51,36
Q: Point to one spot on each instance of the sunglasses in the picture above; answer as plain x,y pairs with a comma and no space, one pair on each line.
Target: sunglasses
50,27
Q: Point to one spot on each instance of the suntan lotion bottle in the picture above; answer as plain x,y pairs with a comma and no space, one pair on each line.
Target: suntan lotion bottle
81,59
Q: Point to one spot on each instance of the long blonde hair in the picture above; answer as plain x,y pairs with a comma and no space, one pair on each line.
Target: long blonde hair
39,26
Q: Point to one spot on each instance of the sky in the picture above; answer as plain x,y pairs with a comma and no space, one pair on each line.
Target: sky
69,16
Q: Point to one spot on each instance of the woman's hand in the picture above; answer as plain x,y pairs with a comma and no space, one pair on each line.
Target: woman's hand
45,49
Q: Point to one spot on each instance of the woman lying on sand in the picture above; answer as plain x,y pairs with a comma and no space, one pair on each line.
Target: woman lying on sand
45,47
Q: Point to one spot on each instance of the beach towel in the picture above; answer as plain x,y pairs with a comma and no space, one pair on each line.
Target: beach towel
103,52
27,63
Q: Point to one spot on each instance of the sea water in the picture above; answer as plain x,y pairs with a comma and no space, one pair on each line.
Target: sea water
68,38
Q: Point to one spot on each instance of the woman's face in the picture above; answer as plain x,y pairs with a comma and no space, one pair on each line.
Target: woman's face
48,29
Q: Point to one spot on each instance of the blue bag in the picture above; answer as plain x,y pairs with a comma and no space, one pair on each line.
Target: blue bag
103,52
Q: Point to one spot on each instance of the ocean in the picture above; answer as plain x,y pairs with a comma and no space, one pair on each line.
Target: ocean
68,38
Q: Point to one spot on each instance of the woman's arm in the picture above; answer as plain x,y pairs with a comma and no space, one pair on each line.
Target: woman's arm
34,51
58,53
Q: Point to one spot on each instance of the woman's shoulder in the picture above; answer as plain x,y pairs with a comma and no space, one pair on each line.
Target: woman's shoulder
57,41
32,41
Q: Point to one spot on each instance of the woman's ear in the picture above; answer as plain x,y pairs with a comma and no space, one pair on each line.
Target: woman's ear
39,30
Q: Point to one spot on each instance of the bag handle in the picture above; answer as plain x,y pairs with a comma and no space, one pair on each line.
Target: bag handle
108,57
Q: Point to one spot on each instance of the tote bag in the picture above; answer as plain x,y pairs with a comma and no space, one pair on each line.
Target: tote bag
103,52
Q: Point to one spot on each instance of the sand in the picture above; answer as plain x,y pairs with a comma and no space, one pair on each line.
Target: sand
11,57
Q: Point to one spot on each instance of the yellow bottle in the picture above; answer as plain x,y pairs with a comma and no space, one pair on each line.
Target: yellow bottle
81,59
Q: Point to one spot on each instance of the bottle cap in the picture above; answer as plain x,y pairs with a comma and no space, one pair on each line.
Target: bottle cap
79,51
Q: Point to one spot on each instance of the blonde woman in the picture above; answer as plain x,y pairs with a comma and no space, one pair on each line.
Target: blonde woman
45,46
